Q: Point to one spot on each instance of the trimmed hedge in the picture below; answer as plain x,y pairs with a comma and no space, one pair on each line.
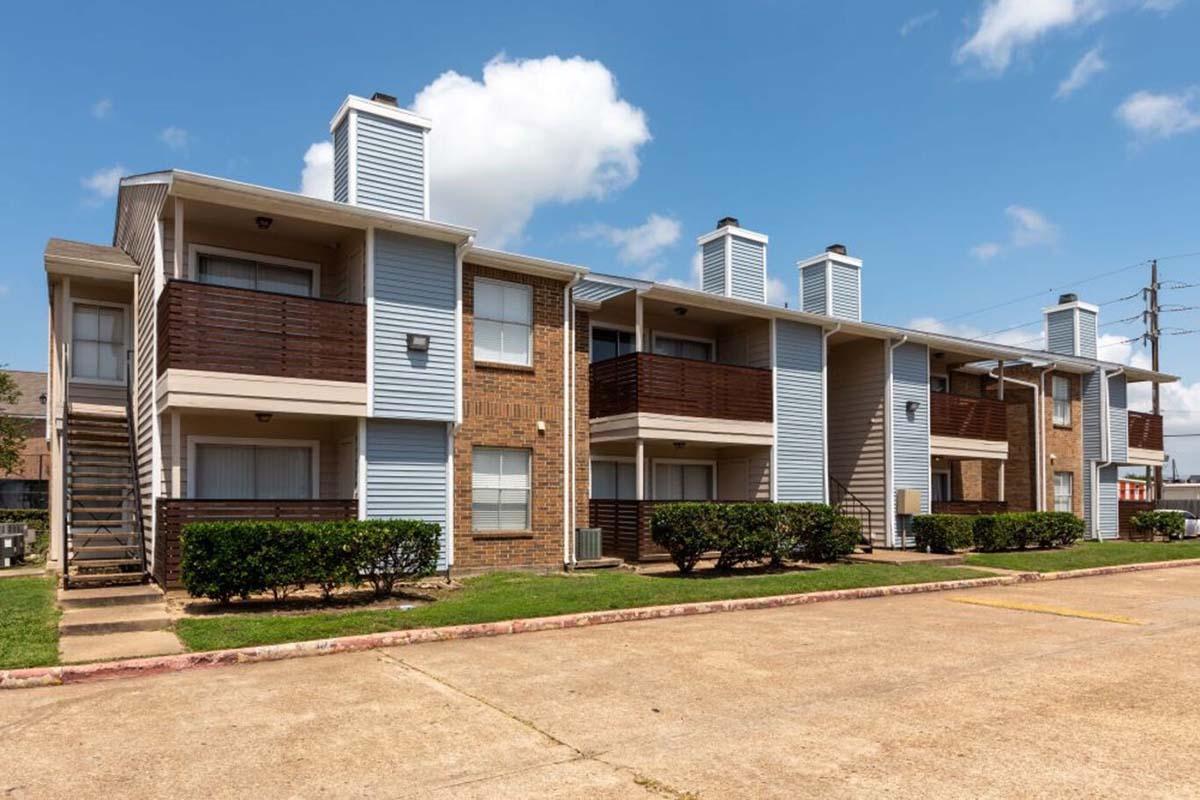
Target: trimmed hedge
1017,531
943,533
223,560
745,533
1167,524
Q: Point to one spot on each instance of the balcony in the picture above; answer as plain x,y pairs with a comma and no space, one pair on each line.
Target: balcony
968,417
222,329
644,383
1145,432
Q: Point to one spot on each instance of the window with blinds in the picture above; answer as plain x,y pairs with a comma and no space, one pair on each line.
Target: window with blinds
614,480
1061,390
244,273
683,481
609,343
682,348
253,472
503,322
500,484
1064,490
98,342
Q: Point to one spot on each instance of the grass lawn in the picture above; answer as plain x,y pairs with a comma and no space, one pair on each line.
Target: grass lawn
28,623
1088,554
502,596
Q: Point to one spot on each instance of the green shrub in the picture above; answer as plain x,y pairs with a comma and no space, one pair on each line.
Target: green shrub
1016,531
748,532
36,518
844,537
686,531
223,560
943,533
1167,524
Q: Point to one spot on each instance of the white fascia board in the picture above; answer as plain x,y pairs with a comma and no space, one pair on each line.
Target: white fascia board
519,263
828,255
1079,304
730,230
380,110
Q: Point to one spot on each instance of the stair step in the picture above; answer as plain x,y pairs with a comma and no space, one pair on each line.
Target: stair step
104,578
95,496
105,563
103,548
98,433
109,596
99,422
113,619
100,450
102,529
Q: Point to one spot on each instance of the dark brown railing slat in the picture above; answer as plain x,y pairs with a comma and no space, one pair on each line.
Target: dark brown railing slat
654,384
968,417
1145,431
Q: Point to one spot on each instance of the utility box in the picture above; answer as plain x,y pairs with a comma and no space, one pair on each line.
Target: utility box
12,544
587,544
908,502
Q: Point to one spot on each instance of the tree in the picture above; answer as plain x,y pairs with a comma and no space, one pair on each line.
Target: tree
12,430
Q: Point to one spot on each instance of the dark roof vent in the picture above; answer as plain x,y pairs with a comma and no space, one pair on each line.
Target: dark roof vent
730,221
840,249
1070,297
386,99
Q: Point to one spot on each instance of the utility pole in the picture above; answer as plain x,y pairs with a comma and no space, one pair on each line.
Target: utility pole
1152,323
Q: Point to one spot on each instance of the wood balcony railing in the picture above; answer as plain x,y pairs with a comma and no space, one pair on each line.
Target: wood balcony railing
968,417
969,507
174,513
223,329
1145,431
654,384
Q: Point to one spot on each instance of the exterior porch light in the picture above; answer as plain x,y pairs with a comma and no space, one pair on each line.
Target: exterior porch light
263,416
680,311
263,223
911,406
418,342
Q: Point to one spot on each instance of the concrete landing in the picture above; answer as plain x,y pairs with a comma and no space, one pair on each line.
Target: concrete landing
114,622
113,619
899,558
136,644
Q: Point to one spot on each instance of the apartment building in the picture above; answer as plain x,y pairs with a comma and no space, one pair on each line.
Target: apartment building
244,352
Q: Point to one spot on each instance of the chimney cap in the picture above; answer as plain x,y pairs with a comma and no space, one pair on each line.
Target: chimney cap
728,221
1069,297
840,249
386,99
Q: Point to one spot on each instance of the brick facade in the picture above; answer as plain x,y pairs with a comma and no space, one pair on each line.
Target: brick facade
1063,446
502,406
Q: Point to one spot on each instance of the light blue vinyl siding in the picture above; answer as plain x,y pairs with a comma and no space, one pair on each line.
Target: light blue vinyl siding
406,473
390,165
1108,500
341,161
1090,406
1060,332
799,413
414,293
712,266
910,432
748,269
1118,409
845,291
1087,334
812,289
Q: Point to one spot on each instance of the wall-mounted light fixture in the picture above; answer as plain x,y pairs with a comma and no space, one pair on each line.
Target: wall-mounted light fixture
680,311
679,445
263,223
418,342
912,405
263,416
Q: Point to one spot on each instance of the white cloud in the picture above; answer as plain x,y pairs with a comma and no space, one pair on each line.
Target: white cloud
1030,227
102,108
1160,116
985,250
104,182
1084,70
547,130
919,21
641,244
1162,6
316,179
174,137
1006,26
777,291
4,290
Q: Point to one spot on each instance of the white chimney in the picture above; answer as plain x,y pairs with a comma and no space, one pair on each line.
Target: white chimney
831,284
733,261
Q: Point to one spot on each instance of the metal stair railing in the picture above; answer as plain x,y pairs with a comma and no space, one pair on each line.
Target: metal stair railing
845,502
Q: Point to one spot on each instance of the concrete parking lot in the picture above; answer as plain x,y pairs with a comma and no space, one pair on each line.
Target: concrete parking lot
919,696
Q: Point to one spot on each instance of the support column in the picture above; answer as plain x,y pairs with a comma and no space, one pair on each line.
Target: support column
176,457
1000,396
177,249
640,471
638,339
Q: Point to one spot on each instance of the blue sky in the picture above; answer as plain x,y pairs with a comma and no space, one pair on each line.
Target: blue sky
946,145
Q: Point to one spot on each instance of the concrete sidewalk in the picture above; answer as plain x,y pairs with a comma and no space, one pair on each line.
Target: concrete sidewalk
915,696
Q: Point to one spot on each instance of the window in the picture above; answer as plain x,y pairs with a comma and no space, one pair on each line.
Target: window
500,489
939,384
683,481
941,486
1061,387
1064,489
614,480
98,342
247,273
224,471
683,348
503,322
609,343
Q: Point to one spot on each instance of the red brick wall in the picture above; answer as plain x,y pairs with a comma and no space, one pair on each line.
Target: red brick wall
501,408
1063,447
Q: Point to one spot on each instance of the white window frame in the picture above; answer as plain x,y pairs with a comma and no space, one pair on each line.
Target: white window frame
654,462
528,289
1070,495
528,491
609,326
610,459
313,444
197,250
77,301
1055,381
712,343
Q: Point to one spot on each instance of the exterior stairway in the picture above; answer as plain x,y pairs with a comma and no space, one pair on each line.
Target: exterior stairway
104,536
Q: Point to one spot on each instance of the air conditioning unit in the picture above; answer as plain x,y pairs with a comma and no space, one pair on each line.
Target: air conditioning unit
587,544
12,544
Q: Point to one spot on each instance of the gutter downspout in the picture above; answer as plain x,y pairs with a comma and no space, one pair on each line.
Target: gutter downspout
1039,433
825,334
460,251
568,433
889,460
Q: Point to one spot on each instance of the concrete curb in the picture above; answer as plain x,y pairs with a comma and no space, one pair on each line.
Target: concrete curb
110,670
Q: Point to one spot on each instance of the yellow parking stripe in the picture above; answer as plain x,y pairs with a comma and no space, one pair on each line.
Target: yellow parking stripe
1040,609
